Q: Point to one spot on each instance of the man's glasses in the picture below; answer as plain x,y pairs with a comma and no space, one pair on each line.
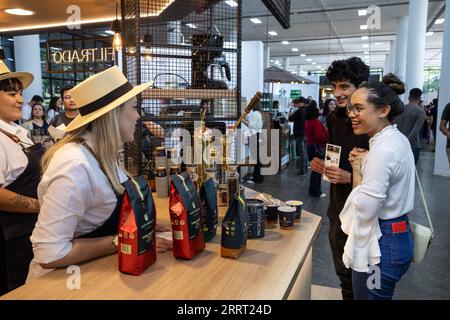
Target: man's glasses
67,97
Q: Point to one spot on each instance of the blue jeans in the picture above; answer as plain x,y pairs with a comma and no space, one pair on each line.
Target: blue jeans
300,145
416,152
397,249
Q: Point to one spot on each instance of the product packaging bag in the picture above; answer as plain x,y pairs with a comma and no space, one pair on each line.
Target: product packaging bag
186,217
234,228
137,228
208,196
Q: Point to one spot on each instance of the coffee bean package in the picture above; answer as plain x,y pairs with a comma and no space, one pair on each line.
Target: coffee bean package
208,197
186,217
137,226
234,228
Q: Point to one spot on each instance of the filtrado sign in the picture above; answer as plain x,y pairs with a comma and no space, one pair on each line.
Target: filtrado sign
80,55
83,56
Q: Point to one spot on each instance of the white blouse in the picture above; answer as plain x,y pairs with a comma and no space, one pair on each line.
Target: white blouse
255,123
386,192
13,160
75,197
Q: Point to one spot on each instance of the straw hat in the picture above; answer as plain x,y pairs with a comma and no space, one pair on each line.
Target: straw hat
101,93
25,78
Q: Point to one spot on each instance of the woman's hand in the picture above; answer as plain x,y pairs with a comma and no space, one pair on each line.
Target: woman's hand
163,244
356,158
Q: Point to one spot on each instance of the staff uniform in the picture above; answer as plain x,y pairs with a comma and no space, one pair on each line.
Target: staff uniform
19,173
77,200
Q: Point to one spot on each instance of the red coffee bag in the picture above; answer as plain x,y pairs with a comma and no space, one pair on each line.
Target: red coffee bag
137,226
186,217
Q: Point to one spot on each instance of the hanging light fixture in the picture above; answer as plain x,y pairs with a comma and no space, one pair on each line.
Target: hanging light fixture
117,40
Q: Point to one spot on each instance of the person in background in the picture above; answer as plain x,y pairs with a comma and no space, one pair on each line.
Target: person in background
254,122
26,108
411,121
70,110
37,125
298,117
328,107
54,108
433,115
316,138
444,127
82,188
19,178
345,77
375,215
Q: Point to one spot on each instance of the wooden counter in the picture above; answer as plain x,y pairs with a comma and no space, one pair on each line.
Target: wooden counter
277,266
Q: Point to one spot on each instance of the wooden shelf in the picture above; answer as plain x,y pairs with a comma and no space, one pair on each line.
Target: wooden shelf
188,94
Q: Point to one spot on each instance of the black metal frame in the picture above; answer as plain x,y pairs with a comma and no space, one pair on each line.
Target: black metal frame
171,50
281,10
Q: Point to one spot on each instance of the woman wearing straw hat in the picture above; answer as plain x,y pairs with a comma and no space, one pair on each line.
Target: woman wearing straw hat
19,178
81,188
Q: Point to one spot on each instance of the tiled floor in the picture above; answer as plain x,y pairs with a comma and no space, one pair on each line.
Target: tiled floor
427,280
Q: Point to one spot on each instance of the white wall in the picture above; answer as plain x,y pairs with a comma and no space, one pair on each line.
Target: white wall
252,68
441,163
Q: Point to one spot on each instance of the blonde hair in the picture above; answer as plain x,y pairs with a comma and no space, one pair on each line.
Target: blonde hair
107,141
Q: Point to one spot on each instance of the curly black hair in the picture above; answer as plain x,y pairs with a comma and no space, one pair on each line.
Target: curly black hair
352,69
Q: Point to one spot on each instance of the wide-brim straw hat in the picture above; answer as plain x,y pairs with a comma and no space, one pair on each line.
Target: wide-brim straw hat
101,93
25,78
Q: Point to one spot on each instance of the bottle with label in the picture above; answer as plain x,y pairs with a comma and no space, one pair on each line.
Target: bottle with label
235,228
232,182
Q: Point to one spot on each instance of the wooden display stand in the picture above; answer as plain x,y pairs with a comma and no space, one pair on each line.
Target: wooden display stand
277,266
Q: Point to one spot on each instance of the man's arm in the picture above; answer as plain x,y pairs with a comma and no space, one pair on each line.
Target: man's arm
443,128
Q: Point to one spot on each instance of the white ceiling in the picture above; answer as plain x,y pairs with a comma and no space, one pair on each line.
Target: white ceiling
326,30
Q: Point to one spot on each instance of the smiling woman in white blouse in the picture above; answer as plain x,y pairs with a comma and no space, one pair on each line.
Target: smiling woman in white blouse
375,216
81,188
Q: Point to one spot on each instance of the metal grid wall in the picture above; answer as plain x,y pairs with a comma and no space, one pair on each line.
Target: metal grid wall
191,50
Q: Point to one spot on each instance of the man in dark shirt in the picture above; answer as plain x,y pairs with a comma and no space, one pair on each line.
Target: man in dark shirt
70,109
444,127
410,122
298,117
345,76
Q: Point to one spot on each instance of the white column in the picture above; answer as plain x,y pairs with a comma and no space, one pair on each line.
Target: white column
299,69
415,54
252,68
401,43
390,61
27,54
286,63
267,56
441,165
